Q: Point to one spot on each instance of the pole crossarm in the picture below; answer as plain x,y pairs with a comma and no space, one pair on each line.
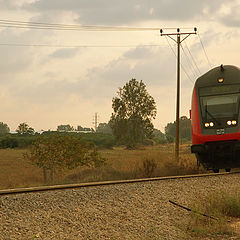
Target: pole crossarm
178,41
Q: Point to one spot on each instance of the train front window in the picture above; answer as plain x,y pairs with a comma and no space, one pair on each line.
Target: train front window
220,107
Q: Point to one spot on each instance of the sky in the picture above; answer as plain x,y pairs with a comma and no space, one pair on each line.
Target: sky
77,73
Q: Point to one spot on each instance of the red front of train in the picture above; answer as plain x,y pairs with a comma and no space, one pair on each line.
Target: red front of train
215,118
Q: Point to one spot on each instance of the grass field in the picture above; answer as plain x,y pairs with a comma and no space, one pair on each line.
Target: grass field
149,161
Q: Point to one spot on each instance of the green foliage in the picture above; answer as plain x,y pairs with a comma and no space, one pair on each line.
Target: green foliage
184,130
24,129
57,152
159,137
4,129
134,110
99,139
84,129
104,128
65,128
8,142
14,141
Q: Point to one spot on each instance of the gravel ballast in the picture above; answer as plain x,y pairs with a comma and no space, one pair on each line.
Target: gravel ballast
123,211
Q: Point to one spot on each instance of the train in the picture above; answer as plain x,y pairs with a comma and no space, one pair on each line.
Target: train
215,118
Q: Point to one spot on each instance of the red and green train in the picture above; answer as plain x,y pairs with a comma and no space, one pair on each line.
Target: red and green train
215,118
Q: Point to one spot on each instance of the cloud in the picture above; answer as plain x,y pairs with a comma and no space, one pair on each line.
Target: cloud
122,12
232,18
64,53
101,83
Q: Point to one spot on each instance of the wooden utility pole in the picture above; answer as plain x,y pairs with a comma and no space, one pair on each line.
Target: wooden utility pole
95,121
178,41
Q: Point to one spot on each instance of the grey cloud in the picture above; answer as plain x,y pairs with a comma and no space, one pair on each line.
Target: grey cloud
49,92
64,53
8,4
232,18
122,12
103,83
138,52
11,62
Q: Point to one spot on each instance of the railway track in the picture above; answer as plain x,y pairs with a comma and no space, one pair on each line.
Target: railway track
91,184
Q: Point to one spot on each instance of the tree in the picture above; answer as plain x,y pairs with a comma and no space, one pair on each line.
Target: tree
184,130
65,128
134,110
24,129
58,152
84,129
159,137
4,129
104,128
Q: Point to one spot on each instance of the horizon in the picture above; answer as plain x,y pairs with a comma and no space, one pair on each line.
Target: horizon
59,76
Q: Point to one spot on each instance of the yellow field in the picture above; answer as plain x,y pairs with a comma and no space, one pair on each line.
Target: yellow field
120,164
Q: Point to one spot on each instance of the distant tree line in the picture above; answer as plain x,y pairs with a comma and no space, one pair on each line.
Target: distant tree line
130,124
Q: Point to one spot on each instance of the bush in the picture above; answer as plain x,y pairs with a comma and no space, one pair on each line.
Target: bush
222,206
101,140
148,167
14,141
8,142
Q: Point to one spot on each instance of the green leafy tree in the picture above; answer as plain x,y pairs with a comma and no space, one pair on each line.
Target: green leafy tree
24,129
159,137
65,128
134,110
84,129
59,152
4,129
104,128
184,130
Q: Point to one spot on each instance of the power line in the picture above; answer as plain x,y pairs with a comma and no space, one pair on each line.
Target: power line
72,27
78,46
193,58
210,65
180,63
189,62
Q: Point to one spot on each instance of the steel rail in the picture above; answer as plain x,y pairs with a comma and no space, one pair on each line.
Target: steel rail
93,184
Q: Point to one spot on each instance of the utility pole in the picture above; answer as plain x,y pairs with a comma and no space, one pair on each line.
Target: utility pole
178,41
95,121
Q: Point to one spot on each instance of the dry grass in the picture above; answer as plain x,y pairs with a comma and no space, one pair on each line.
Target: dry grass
15,171
120,164
225,207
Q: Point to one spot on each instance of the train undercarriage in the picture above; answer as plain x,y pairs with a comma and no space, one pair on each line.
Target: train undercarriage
218,155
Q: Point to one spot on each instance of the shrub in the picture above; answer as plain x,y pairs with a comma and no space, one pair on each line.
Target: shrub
222,206
8,142
148,167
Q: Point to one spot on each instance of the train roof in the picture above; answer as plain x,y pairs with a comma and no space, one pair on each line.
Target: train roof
229,73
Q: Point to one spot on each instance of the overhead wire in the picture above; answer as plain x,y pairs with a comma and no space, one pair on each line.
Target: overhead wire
73,27
188,60
78,46
77,27
192,58
180,63
209,63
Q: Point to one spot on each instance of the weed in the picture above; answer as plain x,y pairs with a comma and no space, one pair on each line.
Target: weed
148,167
221,205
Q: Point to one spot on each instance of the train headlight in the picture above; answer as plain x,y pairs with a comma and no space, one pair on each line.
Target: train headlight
220,80
211,124
234,122
229,123
206,124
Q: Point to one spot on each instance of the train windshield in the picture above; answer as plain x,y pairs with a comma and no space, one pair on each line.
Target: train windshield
220,106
